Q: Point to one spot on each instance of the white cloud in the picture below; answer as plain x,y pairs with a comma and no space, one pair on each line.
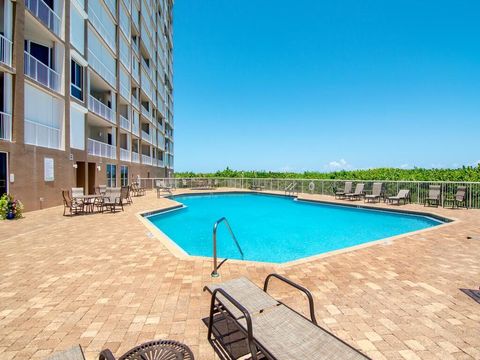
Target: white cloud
405,166
341,164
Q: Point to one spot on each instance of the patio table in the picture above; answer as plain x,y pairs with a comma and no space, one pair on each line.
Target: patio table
88,201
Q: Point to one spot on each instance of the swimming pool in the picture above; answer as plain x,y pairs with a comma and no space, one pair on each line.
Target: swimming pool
276,228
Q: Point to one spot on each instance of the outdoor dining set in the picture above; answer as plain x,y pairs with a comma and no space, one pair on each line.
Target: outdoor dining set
112,199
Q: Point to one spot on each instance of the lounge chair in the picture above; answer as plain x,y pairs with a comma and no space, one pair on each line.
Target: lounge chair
357,194
459,200
160,186
340,193
137,190
403,195
433,197
377,193
74,206
113,199
157,349
272,329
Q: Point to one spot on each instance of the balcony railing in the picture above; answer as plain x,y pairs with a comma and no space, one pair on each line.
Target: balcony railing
125,155
147,160
101,68
5,51
45,14
41,73
5,126
99,108
98,148
102,30
125,91
135,157
42,135
135,128
146,136
135,102
160,163
125,123
146,113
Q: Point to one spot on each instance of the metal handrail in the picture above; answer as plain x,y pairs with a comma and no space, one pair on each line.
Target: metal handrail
290,188
215,226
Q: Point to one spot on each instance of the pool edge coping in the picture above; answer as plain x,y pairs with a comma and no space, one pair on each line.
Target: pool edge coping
180,253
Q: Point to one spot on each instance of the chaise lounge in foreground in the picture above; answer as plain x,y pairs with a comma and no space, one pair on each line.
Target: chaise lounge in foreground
272,329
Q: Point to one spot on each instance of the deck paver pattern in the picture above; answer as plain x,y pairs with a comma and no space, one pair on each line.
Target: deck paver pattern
103,280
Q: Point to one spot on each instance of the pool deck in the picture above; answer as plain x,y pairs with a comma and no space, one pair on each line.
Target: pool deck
104,280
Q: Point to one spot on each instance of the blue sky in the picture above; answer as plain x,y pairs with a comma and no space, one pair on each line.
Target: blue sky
323,85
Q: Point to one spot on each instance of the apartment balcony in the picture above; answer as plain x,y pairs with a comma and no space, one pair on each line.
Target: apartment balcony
146,160
111,6
125,123
101,29
42,135
135,157
160,163
101,68
5,51
147,136
135,129
98,148
135,102
45,14
100,109
146,113
125,91
41,73
5,126
125,155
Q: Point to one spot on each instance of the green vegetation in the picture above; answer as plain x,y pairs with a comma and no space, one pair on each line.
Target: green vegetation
466,173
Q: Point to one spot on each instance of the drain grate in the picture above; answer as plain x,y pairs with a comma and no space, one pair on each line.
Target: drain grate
474,294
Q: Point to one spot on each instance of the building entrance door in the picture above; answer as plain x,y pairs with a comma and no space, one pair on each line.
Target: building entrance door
92,169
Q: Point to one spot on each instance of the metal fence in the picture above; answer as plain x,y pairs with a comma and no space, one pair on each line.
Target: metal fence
418,189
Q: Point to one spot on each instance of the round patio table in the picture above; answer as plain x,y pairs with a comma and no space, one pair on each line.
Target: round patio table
154,350
88,200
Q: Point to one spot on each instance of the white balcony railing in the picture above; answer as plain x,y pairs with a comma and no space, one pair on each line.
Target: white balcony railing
100,27
42,135
101,68
41,73
5,51
135,102
45,14
146,113
146,136
125,155
147,160
5,126
135,157
125,91
99,108
135,128
125,123
98,148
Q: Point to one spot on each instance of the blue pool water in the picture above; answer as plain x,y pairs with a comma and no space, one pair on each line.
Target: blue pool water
277,229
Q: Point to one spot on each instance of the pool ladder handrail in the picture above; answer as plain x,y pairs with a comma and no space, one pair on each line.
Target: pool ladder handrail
215,226
290,189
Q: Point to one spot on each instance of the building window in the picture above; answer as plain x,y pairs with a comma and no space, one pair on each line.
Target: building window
111,175
124,175
76,80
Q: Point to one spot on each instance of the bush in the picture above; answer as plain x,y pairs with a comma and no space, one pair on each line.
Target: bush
8,205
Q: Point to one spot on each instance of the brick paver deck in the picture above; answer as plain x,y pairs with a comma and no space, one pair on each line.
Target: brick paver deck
103,281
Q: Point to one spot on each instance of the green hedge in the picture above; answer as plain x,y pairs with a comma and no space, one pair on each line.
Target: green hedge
466,173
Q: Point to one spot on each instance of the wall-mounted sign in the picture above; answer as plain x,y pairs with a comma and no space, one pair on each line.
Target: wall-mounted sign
49,172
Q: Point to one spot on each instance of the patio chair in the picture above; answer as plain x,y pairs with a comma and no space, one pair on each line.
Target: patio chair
357,194
101,189
125,194
77,191
113,199
137,190
459,199
340,193
433,197
377,193
403,195
272,330
160,186
152,350
74,206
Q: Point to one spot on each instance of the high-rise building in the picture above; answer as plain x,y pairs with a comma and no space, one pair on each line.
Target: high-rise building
87,95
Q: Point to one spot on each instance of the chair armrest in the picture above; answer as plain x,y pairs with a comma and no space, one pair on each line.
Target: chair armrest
298,287
240,307
106,355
